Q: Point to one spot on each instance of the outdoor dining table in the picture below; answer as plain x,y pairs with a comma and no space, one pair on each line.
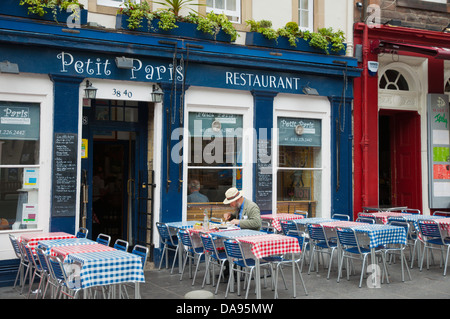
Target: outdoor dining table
264,245
47,245
32,239
63,251
276,218
108,267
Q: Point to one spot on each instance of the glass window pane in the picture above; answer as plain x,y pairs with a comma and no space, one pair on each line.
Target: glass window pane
303,4
299,189
220,4
212,183
210,3
300,157
102,113
231,5
215,139
17,152
131,114
304,19
18,198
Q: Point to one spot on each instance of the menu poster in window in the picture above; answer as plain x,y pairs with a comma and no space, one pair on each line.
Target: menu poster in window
438,151
65,146
263,183
19,121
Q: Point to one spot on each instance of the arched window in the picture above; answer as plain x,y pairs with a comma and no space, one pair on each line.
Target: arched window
393,80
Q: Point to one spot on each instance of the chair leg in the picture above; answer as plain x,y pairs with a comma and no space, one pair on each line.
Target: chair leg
446,261
174,259
222,264
162,257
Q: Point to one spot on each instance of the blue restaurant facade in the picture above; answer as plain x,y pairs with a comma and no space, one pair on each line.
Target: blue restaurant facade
275,123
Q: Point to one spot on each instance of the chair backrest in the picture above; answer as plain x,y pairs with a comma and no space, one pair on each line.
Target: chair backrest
142,252
411,211
368,220
42,259
185,238
30,255
164,233
290,229
121,244
15,245
341,217
347,237
57,268
440,213
267,227
301,212
233,249
429,228
82,232
316,232
103,239
208,243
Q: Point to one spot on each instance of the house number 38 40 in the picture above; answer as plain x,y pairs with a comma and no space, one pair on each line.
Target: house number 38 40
126,93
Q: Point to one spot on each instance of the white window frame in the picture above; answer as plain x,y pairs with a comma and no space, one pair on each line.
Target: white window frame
235,14
221,101
287,106
111,3
310,10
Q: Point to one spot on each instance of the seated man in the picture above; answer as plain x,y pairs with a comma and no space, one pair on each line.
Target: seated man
247,216
195,196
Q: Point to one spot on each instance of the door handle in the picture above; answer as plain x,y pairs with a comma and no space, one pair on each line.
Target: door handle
129,188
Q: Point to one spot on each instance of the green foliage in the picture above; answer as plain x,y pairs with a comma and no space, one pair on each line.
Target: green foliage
211,24
321,39
175,6
41,7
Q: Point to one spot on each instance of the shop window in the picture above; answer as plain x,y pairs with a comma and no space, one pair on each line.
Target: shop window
113,3
19,165
306,14
299,166
393,80
114,110
214,162
447,86
231,8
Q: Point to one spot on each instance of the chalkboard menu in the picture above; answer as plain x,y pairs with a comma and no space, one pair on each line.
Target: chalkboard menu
64,183
263,184
438,151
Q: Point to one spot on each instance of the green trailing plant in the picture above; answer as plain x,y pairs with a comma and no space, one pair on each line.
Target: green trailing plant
136,12
41,7
175,6
211,24
321,39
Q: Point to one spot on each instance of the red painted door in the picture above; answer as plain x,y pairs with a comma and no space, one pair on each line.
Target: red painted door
406,160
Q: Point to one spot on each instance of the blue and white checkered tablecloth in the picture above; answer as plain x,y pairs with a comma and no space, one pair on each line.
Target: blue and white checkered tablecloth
108,267
414,218
313,220
183,225
237,233
382,234
49,244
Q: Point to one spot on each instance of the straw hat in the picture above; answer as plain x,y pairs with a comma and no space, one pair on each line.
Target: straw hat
232,194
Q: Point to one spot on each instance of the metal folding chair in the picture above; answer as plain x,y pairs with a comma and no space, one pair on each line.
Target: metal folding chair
190,252
169,243
214,258
431,237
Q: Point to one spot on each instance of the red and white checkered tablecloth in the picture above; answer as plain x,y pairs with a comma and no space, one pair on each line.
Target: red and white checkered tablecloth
271,244
276,218
382,217
32,239
64,251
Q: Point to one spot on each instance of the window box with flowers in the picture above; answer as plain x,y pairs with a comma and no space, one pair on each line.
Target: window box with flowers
60,11
325,41
139,17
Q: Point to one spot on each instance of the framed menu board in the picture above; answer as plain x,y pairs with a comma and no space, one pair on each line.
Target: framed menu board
64,189
438,151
